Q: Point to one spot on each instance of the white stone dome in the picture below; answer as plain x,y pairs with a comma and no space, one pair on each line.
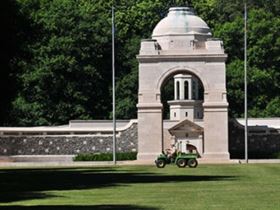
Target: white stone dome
181,21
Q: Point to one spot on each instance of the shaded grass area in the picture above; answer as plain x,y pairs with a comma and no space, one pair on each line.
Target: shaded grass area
142,187
28,184
94,207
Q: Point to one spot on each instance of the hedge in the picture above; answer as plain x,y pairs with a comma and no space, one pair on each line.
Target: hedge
105,156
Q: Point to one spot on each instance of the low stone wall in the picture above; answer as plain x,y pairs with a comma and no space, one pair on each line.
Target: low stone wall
68,144
262,142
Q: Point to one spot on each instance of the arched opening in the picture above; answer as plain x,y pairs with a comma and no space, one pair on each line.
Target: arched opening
177,90
186,90
194,90
169,92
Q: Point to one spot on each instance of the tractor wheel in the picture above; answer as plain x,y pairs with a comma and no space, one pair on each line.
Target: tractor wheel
192,163
181,163
160,163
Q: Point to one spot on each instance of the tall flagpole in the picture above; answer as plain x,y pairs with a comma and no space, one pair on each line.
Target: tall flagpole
113,85
245,83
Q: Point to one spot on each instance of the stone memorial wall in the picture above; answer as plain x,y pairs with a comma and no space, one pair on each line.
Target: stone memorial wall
68,144
262,142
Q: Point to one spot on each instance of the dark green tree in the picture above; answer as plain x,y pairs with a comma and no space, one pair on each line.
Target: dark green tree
57,65
11,22
65,75
263,62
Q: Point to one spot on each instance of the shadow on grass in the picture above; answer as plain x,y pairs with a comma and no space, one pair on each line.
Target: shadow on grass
95,207
25,184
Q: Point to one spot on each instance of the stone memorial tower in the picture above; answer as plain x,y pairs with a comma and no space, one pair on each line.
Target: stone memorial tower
182,44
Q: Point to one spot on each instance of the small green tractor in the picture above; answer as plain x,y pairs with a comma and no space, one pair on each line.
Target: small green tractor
181,157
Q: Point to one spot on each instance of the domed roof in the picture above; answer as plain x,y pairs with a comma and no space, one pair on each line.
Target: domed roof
181,21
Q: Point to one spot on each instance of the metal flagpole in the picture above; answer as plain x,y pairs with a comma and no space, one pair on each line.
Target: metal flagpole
245,83
113,86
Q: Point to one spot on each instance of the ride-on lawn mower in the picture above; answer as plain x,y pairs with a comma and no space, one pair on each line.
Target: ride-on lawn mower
181,159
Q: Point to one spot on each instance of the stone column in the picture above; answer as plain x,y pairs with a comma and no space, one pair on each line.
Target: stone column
175,91
216,131
150,129
190,89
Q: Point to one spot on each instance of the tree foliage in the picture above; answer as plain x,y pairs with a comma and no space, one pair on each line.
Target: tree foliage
263,61
57,63
66,68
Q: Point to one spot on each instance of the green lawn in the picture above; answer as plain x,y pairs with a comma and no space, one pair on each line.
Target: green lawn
142,187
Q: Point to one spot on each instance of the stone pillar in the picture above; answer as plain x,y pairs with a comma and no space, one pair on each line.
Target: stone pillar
150,131
190,89
216,131
182,89
175,91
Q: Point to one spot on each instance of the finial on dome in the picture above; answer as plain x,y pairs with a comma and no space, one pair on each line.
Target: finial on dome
182,10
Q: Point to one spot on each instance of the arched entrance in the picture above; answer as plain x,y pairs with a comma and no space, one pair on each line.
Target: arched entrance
186,48
182,98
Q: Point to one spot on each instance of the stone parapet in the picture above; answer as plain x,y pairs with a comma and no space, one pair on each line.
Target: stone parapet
68,144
